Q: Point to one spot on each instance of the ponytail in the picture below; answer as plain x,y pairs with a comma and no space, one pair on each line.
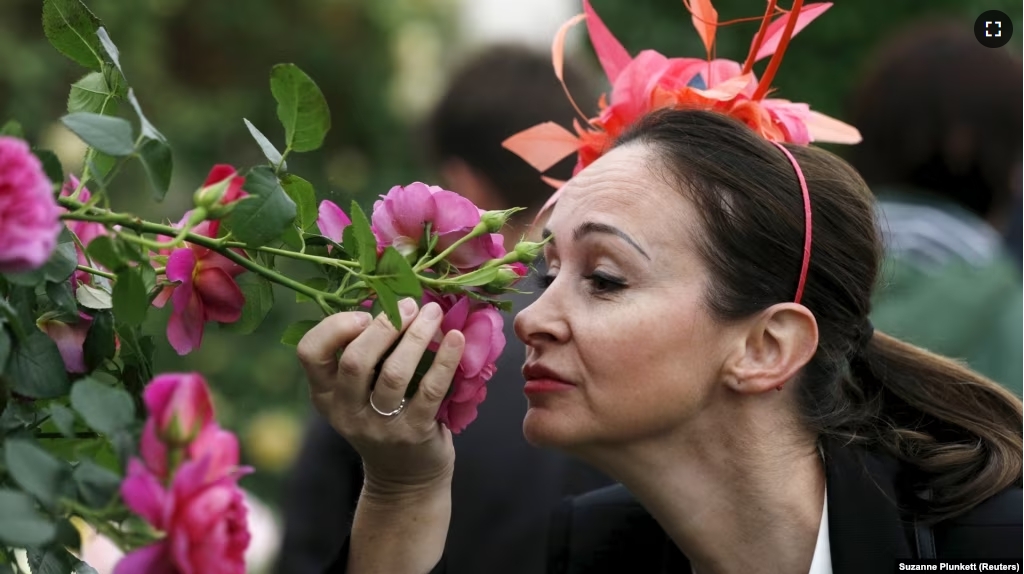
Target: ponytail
958,429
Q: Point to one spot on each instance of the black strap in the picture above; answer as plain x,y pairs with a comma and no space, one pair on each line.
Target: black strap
925,541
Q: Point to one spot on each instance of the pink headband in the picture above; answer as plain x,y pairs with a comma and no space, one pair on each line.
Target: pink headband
807,222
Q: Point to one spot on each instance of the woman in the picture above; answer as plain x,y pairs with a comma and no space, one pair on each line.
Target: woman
669,320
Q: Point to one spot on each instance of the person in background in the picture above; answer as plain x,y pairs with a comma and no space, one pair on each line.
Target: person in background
503,489
941,119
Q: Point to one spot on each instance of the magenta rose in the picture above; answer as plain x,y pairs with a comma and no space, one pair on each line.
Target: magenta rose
204,521
399,217
85,230
483,327
29,215
180,405
70,339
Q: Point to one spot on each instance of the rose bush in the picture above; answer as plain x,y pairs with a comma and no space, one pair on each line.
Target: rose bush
88,432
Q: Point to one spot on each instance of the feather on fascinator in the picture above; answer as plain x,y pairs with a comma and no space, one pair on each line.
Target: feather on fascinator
651,81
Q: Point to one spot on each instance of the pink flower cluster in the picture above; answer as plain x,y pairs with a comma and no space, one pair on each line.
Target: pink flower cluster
206,288
398,220
186,485
29,223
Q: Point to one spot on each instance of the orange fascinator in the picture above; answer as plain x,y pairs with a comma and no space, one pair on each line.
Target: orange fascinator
650,81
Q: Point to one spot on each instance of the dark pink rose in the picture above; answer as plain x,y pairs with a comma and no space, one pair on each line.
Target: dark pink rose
70,339
180,405
206,291
204,521
85,230
483,327
399,218
29,215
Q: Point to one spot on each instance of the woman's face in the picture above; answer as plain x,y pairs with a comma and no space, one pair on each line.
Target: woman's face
622,319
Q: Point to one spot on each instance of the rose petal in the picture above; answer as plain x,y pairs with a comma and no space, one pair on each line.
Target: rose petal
222,298
143,494
332,221
152,559
185,326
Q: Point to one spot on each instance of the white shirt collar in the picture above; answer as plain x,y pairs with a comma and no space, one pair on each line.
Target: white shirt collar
821,563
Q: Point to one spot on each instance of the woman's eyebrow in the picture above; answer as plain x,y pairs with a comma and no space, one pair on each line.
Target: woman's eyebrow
589,227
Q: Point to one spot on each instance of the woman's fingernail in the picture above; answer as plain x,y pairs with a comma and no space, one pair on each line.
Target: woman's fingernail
363,319
431,311
407,306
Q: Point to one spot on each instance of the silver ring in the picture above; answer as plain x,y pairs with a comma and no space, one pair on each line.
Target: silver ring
401,406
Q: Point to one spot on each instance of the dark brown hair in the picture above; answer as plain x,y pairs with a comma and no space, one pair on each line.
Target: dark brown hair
940,112
499,92
959,430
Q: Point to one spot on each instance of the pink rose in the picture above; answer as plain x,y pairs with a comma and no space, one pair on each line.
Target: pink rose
85,230
204,522
70,340
400,216
483,327
180,405
206,291
332,221
29,215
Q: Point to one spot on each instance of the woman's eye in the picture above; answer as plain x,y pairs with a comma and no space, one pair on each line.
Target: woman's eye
546,281
601,283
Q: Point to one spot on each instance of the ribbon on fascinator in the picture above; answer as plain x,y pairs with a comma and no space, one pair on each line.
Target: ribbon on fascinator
650,81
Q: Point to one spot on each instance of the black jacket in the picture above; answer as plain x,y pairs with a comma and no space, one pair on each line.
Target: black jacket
608,532
502,492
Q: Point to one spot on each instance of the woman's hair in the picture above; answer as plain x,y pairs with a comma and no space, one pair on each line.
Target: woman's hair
940,112
959,430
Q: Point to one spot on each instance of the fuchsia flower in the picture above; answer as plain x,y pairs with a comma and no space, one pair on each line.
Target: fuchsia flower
206,289
85,230
70,339
332,221
198,505
483,327
399,217
180,405
29,215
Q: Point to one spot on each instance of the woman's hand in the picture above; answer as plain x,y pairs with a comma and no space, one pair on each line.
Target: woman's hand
405,452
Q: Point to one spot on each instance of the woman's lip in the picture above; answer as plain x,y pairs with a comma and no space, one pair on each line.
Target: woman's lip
537,386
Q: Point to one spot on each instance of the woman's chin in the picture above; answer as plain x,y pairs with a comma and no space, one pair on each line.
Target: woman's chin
544,428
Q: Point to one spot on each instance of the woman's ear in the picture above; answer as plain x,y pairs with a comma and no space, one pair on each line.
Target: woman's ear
777,344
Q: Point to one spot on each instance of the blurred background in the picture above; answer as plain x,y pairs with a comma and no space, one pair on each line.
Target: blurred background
200,66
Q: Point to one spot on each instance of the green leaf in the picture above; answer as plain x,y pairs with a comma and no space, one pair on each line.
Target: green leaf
83,568
395,272
18,310
108,46
318,283
388,301
90,94
146,128
71,29
367,242
51,560
259,300
107,134
106,250
294,332
51,165
131,302
9,315
96,485
292,238
36,471
5,353
271,153
105,409
93,298
13,129
266,213
476,278
350,243
304,196
301,107
62,296
100,343
36,369
136,352
21,524
63,418
58,268
159,164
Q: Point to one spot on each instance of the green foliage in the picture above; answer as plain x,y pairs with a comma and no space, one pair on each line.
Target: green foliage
294,333
71,28
105,409
302,193
20,523
107,134
273,155
266,213
259,300
36,368
301,107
